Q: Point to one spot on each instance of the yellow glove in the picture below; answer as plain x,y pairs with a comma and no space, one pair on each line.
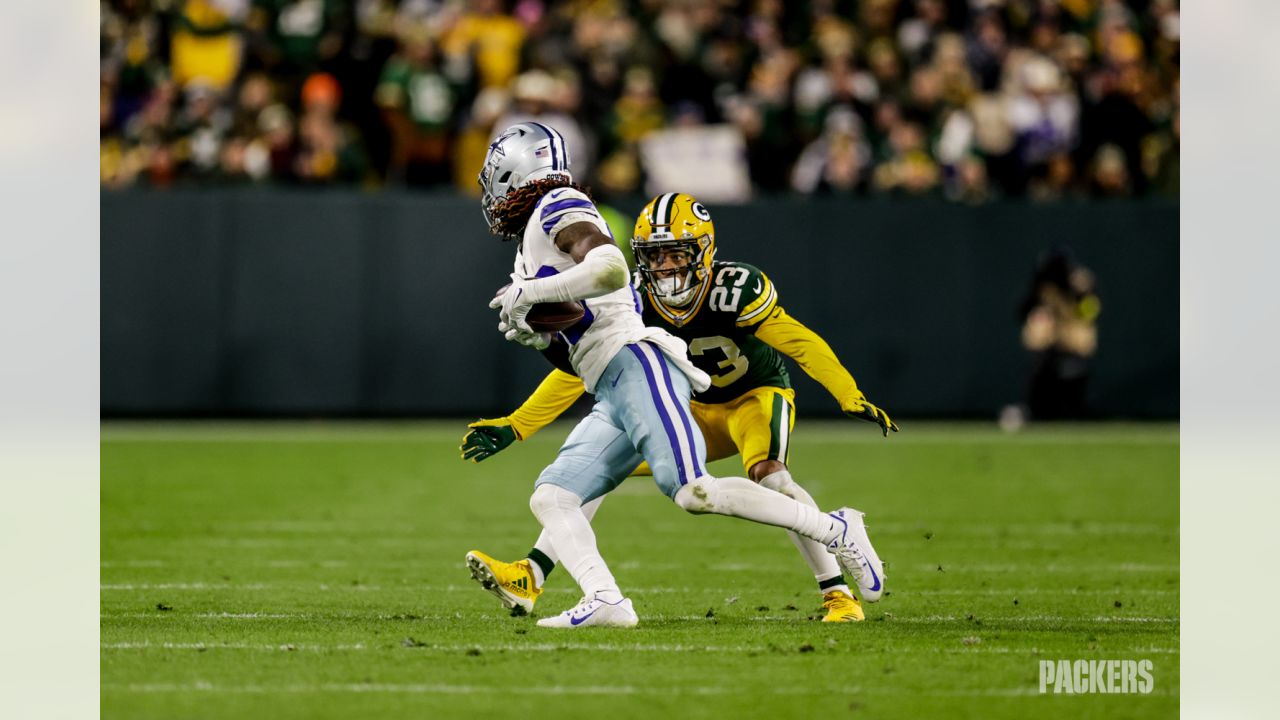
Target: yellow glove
861,408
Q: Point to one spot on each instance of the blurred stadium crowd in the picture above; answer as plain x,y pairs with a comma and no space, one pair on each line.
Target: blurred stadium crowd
967,99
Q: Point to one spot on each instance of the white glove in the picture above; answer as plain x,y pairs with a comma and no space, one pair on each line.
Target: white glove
513,305
535,340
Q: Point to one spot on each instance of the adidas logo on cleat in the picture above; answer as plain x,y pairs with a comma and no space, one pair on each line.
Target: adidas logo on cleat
511,583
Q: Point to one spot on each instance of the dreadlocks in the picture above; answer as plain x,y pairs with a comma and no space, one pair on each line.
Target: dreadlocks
512,212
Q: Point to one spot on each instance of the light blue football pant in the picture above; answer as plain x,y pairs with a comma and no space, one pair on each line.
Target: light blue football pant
641,413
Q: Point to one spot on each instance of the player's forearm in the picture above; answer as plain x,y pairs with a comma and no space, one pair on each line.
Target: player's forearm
602,270
554,395
790,337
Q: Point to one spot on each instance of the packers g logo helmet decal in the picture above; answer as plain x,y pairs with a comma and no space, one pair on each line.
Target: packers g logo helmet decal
675,222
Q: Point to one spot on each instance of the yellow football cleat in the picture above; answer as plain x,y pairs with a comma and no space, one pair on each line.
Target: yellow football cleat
511,583
841,607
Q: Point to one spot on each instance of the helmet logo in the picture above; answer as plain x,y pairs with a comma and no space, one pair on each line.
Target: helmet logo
496,146
700,212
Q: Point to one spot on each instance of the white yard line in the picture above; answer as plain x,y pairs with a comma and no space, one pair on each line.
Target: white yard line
501,647
1082,569
431,689
727,567
448,689
930,619
941,529
794,616
1015,592
297,616
286,647
339,587
655,590
182,586
246,616
599,647
533,689
944,529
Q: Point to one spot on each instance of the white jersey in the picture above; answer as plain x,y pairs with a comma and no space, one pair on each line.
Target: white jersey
612,320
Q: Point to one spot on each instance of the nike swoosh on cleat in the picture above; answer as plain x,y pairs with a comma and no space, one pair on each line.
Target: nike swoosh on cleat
615,380
579,621
875,577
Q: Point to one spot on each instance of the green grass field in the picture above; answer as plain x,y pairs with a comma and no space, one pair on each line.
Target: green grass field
315,571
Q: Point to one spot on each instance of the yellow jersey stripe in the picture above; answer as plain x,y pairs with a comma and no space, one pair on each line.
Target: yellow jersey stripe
761,297
759,309
759,316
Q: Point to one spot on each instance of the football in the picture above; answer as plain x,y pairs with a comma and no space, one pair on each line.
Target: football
552,316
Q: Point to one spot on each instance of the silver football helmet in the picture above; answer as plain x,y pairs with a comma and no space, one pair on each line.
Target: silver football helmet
522,153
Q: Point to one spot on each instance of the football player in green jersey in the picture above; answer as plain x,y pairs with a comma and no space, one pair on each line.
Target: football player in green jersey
729,315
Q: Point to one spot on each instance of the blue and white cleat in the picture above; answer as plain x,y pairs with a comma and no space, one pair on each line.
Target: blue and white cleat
594,612
853,550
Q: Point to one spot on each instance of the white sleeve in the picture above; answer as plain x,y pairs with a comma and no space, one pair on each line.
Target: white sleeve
602,270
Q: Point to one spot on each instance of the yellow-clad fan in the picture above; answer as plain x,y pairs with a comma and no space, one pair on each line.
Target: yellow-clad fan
737,332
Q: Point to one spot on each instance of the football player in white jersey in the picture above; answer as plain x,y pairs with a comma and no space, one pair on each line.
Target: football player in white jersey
640,376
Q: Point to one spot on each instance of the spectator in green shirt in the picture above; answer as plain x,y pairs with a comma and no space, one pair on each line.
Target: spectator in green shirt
293,38
419,104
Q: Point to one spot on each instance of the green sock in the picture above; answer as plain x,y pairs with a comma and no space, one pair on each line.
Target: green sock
833,583
542,565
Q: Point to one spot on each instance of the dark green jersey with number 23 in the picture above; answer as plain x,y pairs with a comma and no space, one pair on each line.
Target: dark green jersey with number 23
721,332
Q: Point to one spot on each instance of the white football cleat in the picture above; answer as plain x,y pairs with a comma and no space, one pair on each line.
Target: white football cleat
594,612
853,549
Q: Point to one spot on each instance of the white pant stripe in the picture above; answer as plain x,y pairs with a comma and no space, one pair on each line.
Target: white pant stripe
687,446
784,429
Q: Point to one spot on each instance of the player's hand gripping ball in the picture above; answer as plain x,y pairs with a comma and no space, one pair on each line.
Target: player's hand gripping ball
547,317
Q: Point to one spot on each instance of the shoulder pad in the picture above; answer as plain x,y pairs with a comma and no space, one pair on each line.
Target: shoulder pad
742,290
751,270
738,275
759,296
561,202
